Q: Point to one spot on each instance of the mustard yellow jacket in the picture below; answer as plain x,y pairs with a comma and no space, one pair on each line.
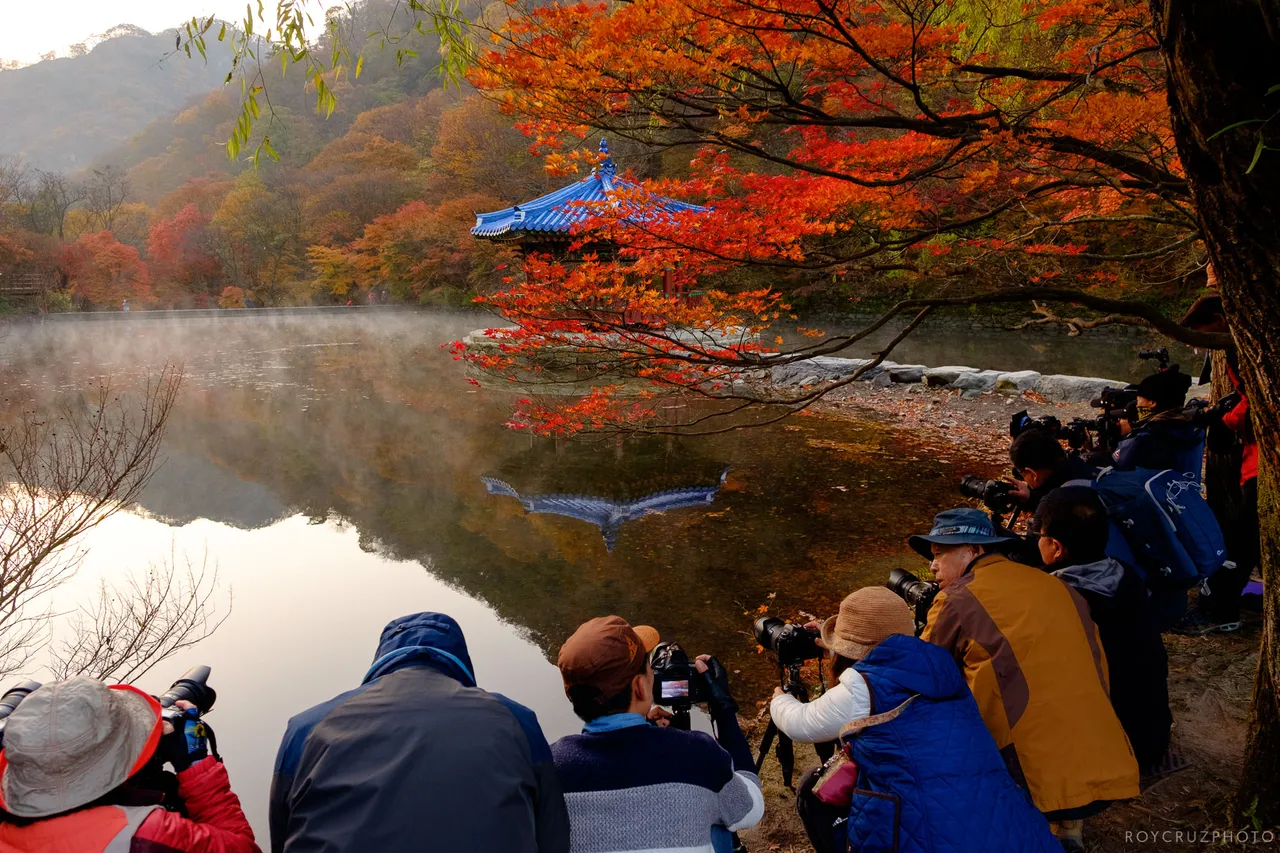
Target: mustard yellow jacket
1034,662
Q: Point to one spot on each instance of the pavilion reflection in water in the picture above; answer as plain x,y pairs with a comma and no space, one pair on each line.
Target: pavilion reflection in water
606,514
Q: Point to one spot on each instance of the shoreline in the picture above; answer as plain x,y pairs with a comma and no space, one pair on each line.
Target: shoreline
1210,678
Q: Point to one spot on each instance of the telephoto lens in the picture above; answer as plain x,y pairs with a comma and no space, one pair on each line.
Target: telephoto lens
12,699
192,687
791,643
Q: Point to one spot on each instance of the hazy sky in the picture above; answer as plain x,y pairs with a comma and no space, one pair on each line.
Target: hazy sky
29,28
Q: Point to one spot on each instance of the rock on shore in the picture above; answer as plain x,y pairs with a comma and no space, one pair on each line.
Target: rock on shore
1054,388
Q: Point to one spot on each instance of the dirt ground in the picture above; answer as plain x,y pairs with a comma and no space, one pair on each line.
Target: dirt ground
1210,678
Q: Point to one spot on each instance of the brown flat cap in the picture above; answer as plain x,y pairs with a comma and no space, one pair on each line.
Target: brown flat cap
866,617
605,653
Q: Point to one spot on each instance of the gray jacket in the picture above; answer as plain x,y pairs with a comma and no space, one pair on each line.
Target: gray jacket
417,758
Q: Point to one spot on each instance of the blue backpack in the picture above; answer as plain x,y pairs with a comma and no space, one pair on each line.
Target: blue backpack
1165,528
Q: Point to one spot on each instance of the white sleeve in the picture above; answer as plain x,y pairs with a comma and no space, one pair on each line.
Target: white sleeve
822,719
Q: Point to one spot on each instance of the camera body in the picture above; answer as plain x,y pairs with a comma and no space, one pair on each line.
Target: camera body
915,592
996,494
793,644
1161,355
677,684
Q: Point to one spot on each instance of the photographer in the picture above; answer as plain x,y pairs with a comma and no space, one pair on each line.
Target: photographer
1044,465
899,693
1218,607
75,754
1163,436
630,785
1072,529
1032,658
417,758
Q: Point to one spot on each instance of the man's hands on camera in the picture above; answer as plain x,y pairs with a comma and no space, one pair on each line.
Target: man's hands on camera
717,679
183,747
1020,490
659,716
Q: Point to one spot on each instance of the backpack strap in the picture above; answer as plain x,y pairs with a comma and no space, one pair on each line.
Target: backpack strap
875,719
135,816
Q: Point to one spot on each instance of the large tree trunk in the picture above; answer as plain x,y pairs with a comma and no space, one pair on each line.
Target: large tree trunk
1222,57
1222,464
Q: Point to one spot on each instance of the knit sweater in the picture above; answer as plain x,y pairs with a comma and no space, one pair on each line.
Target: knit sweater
636,788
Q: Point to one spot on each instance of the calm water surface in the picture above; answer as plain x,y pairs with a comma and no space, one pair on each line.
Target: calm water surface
340,473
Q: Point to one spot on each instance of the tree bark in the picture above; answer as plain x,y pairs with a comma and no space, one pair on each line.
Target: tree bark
1221,464
1222,56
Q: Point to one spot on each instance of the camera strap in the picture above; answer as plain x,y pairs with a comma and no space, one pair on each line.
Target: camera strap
875,719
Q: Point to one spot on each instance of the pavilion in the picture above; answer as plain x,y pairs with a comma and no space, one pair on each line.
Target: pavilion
546,224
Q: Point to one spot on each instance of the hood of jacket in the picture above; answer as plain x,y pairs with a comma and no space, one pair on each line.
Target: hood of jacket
1174,425
1102,577
916,667
431,639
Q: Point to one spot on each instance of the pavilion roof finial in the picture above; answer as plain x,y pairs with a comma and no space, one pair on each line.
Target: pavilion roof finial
608,171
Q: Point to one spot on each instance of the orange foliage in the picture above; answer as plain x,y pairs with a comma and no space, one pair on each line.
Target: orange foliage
1005,144
106,272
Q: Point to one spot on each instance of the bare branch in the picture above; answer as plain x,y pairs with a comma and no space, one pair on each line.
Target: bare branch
63,473
126,631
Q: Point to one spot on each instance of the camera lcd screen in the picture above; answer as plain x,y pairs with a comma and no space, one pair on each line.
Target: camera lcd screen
675,689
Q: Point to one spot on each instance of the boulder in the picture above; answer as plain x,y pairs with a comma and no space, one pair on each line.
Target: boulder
1017,381
882,379
907,373
824,368
936,376
1073,389
983,380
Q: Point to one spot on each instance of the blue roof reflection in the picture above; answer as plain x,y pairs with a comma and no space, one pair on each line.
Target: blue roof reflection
609,515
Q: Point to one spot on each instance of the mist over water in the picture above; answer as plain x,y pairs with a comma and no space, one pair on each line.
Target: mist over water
340,472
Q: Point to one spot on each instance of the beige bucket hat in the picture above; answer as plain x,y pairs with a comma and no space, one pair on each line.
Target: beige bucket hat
70,742
866,617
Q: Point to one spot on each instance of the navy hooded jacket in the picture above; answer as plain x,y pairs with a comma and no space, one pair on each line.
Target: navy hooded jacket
417,758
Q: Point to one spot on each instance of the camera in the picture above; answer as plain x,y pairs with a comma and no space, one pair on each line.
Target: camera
793,644
996,494
1021,422
192,687
677,684
915,592
1161,355
12,699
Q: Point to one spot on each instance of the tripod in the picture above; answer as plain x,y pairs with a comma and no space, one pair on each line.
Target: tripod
785,749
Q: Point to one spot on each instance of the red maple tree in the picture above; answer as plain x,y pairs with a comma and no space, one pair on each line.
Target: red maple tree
991,153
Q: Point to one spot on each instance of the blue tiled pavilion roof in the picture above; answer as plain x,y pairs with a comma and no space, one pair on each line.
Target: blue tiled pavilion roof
557,212
608,515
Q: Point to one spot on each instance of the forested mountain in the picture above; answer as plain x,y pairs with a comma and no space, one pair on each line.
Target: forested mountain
373,201
61,114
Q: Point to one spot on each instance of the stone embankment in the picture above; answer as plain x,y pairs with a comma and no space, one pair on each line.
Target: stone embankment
971,381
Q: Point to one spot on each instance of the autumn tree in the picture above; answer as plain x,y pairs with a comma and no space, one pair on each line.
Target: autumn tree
105,192
262,248
105,272
183,257
419,252
1001,153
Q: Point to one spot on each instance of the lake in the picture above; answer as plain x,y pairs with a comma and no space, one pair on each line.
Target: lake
339,472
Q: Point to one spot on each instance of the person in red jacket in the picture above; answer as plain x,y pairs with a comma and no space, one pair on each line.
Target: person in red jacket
73,752
1218,608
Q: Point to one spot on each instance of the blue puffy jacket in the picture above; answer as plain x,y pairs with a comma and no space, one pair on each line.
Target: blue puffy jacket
931,780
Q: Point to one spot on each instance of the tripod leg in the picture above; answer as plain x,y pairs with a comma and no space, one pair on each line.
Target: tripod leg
766,741
787,758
